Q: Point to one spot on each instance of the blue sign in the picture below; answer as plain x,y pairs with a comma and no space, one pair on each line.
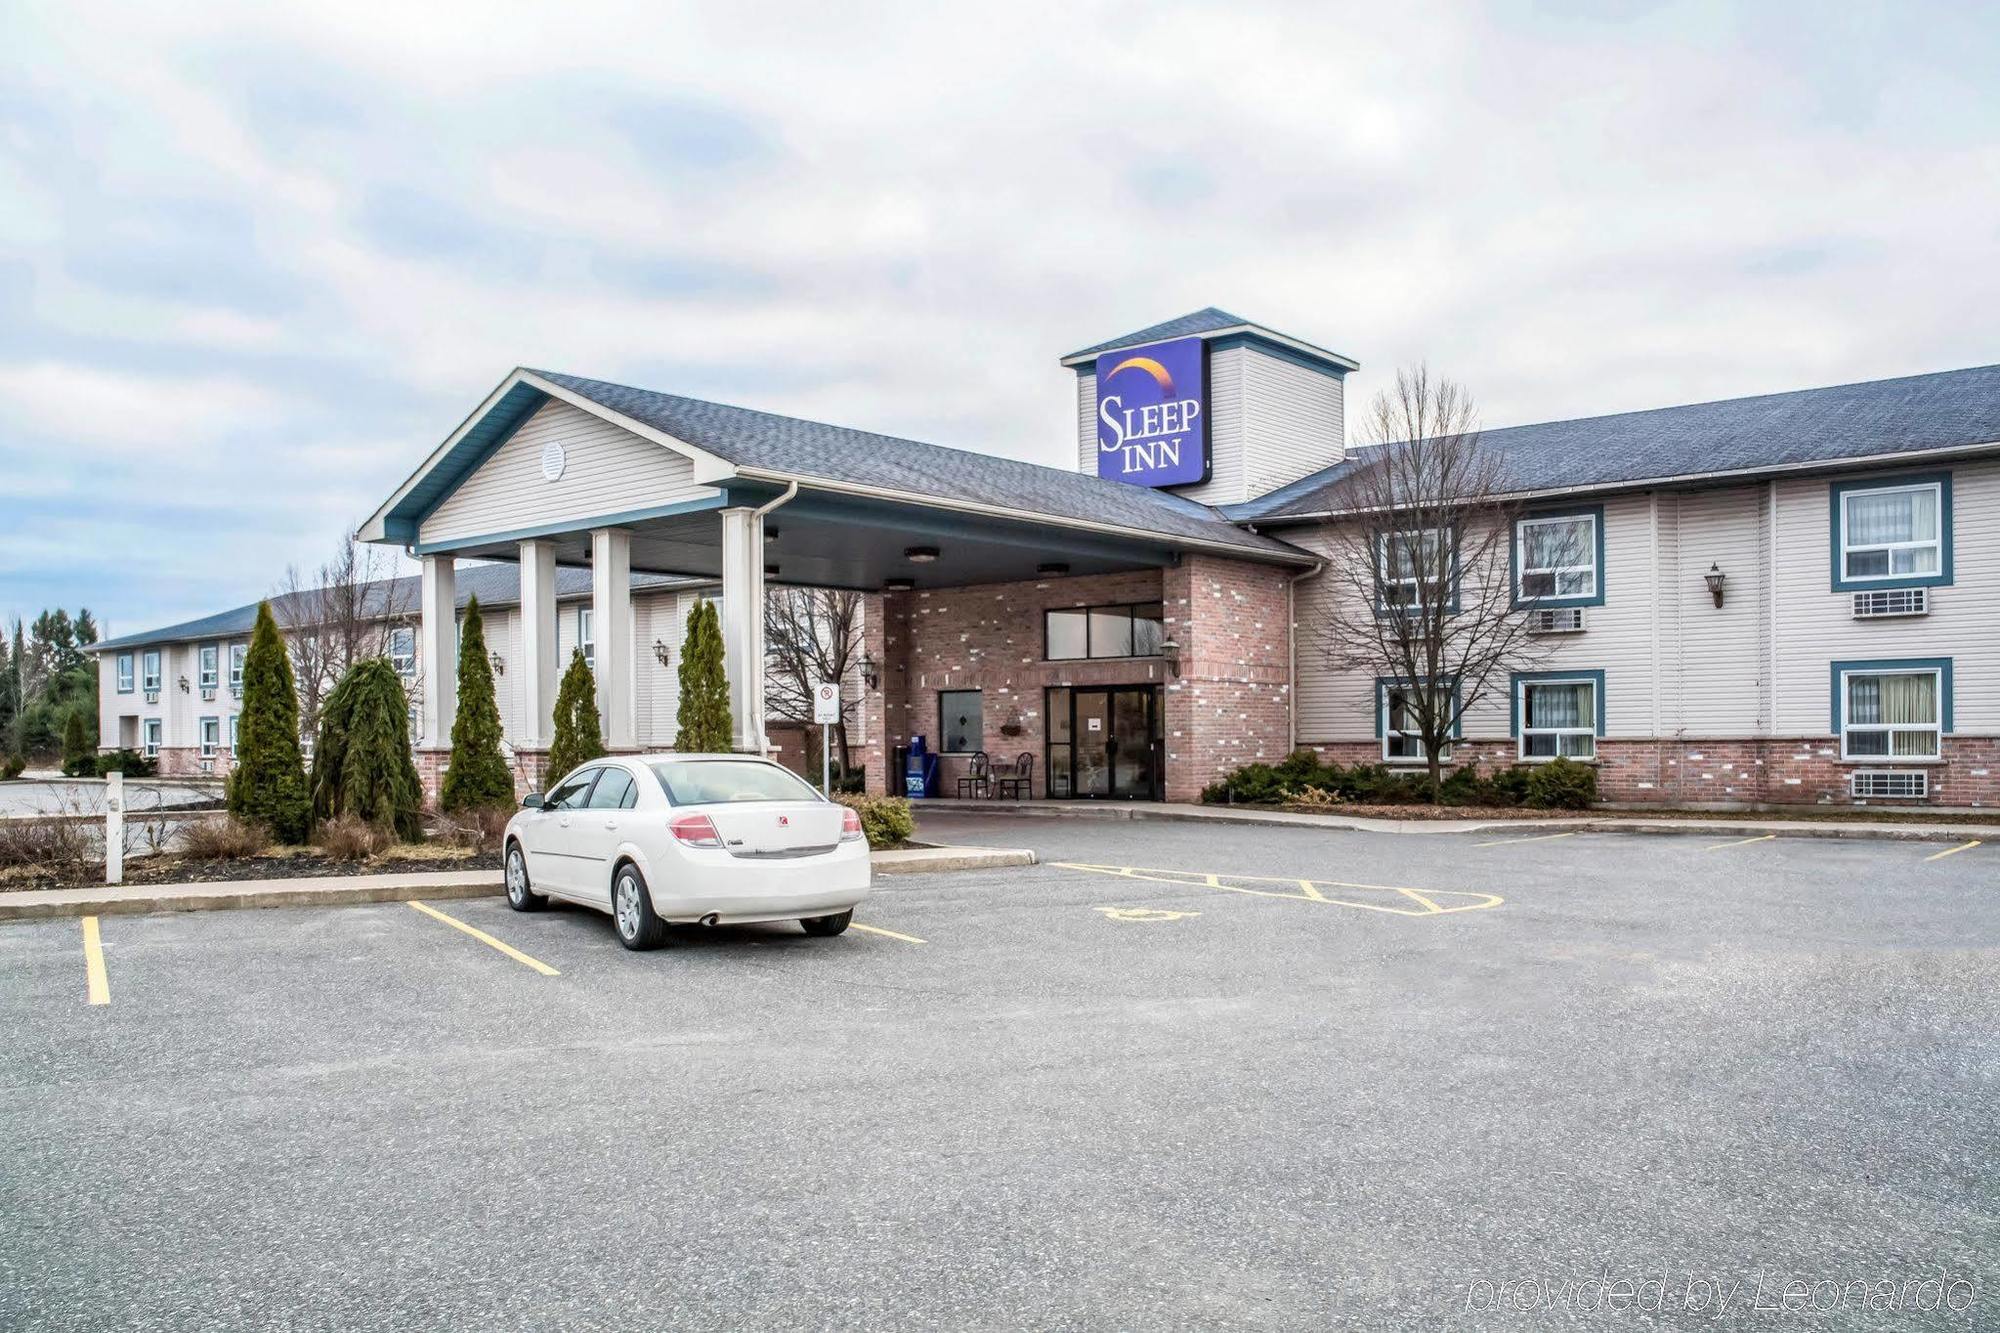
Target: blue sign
1152,414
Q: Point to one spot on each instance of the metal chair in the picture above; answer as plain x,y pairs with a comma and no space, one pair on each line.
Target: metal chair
977,781
1019,784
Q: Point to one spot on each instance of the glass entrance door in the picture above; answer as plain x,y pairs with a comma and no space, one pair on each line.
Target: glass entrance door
1104,743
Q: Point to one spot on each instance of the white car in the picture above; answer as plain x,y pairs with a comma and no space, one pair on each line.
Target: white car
708,838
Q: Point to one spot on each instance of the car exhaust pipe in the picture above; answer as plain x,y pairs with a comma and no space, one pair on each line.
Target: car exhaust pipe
713,918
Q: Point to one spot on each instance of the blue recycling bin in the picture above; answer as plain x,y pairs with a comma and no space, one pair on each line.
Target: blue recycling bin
920,770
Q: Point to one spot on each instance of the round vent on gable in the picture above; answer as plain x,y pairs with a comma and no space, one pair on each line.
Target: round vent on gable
553,460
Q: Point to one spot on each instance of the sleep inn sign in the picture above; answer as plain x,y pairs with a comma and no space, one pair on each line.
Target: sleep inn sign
1152,414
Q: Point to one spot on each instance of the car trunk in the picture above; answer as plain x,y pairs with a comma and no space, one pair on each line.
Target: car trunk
776,828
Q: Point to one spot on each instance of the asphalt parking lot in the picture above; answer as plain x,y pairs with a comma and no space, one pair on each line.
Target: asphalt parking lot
1174,1076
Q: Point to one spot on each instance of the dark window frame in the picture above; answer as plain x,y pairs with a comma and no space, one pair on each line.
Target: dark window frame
1085,611
981,747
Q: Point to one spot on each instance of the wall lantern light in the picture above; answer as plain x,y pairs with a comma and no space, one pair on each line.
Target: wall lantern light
499,663
920,555
184,684
871,670
1714,579
898,585
1170,649
661,652
1052,568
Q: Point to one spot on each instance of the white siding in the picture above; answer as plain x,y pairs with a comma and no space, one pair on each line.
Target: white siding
607,470
1086,424
1717,657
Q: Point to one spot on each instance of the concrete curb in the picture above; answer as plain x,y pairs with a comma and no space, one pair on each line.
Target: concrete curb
1791,828
351,890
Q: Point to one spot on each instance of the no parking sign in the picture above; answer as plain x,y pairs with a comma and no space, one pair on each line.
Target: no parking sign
826,701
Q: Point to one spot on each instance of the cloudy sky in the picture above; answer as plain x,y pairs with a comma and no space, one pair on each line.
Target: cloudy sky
255,260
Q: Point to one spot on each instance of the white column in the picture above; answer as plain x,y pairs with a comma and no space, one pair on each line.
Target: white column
611,627
743,625
540,668
437,649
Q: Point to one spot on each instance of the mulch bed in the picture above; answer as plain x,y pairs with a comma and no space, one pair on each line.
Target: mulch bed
171,869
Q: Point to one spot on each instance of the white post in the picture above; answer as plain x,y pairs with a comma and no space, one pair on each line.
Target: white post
437,649
540,667
743,626
611,627
114,828
825,759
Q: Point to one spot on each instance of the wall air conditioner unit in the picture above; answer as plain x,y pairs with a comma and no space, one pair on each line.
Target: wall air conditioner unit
152,696
1892,602
1888,785
1556,620
208,696
208,765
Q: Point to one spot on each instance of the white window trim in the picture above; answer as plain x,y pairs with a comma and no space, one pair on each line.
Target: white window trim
1935,543
1382,702
210,668
586,635
149,736
1589,727
1936,728
237,653
1382,580
1523,570
211,736
403,663
235,720
150,671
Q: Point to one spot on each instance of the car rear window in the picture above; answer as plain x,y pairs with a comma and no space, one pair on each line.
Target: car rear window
716,781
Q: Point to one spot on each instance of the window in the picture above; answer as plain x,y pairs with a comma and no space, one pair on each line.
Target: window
572,794
237,652
152,734
718,781
234,718
586,637
1073,632
403,650
211,736
1397,721
151,675
124,673
1891,710
1558,717
961,722
211,666
1894,535
1557,558
1405,562
614,791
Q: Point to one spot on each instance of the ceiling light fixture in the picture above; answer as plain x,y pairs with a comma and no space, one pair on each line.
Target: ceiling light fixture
1051,568
920,555
898,585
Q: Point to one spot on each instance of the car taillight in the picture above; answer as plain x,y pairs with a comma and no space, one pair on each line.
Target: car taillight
850,826
694,830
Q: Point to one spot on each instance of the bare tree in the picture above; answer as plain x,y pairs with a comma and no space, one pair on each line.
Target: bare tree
345,611
810,635
1420,578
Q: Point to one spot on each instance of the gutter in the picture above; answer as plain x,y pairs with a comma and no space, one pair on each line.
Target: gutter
1292,650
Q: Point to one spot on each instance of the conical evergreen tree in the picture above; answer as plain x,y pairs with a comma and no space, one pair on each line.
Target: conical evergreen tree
704,712
269,784
579,734
361,763
79,755
478,777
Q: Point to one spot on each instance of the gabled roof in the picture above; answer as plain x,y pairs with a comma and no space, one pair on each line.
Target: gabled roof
1209,322
1748,437
766,446
493,585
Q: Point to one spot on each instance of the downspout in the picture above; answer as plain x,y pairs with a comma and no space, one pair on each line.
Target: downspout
1292,649
763,713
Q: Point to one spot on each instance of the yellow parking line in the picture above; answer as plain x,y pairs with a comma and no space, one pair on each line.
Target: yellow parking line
877,930
1740,842
1953,851
486,939
96,986
1540,837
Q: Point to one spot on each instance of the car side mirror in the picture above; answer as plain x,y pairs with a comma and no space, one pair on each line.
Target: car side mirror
532,801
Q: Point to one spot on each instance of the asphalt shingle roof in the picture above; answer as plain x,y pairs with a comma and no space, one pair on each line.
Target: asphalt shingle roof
789,446
494,585
1875,419
1206,320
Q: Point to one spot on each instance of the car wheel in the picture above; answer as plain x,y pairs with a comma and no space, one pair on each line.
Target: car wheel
639,926
520,895
828,925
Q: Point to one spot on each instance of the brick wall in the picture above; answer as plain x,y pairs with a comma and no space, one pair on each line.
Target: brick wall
1231,704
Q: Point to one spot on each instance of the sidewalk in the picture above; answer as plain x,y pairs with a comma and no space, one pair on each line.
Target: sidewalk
346,890
1581,823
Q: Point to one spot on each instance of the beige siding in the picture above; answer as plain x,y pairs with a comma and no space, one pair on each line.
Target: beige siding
1086,424
1293,422
1816,626
607,470
1717,657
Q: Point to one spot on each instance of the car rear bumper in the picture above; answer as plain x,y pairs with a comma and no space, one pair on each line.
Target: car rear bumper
736,889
